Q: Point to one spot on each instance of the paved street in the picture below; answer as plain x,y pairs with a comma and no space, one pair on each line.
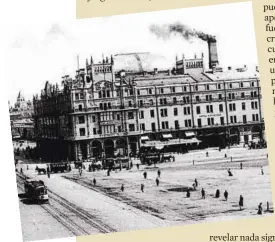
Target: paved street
158,206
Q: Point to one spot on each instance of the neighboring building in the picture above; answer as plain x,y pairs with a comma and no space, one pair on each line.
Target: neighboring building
21,118
108,111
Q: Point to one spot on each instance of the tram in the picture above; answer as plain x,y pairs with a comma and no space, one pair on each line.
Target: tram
36,190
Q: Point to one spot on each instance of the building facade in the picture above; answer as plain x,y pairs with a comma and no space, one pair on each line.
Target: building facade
21,118
103,111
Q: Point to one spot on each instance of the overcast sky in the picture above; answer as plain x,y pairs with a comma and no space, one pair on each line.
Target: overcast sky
46,51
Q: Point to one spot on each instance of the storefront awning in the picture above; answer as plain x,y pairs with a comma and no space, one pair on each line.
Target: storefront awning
144,138
167,136
189,134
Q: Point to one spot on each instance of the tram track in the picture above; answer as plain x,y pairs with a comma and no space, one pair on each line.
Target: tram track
75,219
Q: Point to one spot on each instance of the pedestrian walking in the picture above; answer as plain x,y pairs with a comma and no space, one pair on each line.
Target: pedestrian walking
108,172
157,181
145,175
207,154
194,186
196,183
138,166
188,193
225,195
203,193
122,188
193,162
27,167
159,172
267,206
241,165
217,195
142,187
262,170
231,159
260,209
21,170
48,171
229,172
241,202
225,155
94,181
80,170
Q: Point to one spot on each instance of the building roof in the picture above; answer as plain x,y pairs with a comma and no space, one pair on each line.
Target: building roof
233,75
160,80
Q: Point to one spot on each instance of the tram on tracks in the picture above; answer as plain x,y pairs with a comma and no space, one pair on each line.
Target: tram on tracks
36,190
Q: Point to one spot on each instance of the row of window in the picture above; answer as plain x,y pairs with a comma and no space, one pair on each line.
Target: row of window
165,125
207,87
186,100
164,112
210,121
106,94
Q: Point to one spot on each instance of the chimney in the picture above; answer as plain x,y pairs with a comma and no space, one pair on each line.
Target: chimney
213,53
257,68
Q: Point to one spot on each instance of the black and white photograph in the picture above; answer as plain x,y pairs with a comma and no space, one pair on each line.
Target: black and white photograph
137,121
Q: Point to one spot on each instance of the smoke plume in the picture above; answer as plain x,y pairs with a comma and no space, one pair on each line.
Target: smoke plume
166,31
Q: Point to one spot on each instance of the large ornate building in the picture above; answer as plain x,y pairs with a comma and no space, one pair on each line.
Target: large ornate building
104,111
21,118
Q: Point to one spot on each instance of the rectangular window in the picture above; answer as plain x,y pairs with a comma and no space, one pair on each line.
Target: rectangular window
161,90
175,112
163,112
222,120
243,106
153,126
198,108
221,108
142,127
197,98
76,96
220,96
82,131
141,114
131,127
174,100
199,122
130,115
149,91
177,124
141,103
173,89
242,95
152,113
93,118
81,119
130,103
94,130
244,119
